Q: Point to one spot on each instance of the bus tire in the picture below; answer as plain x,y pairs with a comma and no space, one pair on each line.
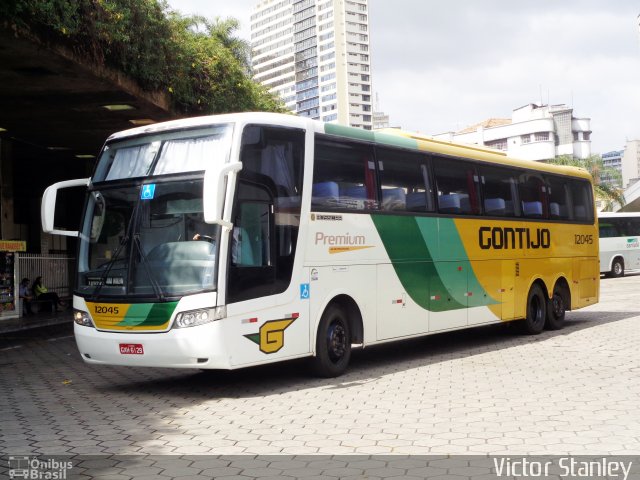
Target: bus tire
617,268
556,309
333,343
536,311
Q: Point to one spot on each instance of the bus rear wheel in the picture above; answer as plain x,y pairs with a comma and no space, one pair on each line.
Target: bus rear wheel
536,311
556,309
617,268
333,343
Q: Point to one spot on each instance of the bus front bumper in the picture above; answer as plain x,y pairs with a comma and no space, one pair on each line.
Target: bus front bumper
193,347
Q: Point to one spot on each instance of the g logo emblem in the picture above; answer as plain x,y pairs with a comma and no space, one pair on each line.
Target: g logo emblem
270,337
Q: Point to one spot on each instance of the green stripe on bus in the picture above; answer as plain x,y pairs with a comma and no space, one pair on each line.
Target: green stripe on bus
369,136
412,261
411,244
148,314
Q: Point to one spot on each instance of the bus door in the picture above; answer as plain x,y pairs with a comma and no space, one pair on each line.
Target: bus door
268,315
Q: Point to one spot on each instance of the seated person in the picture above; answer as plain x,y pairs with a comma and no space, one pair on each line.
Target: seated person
26,296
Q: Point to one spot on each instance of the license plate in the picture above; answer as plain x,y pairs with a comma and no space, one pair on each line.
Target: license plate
131,349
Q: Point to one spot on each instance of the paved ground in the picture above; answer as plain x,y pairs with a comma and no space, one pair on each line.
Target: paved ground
486,390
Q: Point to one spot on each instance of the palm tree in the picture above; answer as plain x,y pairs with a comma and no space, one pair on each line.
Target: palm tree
606,180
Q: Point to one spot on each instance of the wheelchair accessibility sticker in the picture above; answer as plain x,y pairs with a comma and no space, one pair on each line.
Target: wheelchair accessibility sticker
148,191
304,291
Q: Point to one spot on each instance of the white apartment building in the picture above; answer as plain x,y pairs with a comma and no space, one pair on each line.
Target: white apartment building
631,163
315,54
534,132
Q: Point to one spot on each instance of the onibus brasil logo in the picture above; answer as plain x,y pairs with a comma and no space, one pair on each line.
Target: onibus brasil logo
270,337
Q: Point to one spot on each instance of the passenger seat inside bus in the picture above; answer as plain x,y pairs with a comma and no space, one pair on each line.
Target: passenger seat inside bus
495,206
532,209
454,203
416,201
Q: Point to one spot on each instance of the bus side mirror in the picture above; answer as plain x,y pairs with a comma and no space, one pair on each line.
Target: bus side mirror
48,206
214,192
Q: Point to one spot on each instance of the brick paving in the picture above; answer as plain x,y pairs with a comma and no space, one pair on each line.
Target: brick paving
481,391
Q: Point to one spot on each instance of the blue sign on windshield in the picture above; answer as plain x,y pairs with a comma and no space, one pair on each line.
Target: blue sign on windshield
148,191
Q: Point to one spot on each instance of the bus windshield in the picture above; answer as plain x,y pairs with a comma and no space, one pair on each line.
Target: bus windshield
148,239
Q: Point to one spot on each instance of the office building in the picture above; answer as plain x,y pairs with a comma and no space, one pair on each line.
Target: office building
534,132
315,54
612,160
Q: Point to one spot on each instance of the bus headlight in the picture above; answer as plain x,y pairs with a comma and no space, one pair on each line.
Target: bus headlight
82,318
193,318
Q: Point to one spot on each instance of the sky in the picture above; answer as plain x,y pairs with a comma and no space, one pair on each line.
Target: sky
442,66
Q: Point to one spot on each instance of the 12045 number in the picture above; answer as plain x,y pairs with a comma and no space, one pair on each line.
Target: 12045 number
584,239
104,309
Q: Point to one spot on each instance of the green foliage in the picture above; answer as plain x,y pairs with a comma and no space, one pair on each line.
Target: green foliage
199,63
606,180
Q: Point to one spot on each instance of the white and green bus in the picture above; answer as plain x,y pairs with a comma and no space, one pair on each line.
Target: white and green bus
236,240
619,243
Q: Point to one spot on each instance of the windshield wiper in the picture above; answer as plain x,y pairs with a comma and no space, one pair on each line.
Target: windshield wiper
156,287
125,239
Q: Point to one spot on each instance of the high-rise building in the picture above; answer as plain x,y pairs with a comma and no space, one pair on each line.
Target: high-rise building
315,55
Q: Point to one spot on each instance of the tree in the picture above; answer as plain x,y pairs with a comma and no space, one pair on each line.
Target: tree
200,63
606,180
211,71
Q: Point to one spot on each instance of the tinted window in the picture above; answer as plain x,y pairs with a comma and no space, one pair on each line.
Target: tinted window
533,195
343,176
619,227
266,212
582,200
499,189
404,181
559,198
611,227
457,187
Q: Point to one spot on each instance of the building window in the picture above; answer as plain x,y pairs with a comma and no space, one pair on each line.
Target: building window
542,136
497,144
525,138
586,136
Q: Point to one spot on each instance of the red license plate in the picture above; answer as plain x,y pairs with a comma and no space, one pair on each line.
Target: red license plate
131,349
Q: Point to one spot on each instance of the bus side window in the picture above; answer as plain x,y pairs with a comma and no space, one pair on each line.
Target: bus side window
404,181
533,196
344,176
499,192
559,199
458,187
582,200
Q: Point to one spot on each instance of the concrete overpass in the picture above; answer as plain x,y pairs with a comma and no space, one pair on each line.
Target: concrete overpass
632,197
56,110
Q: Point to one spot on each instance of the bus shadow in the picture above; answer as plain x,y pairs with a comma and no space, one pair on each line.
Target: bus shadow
366,365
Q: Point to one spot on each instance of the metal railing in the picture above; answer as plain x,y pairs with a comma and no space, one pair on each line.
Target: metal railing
57,271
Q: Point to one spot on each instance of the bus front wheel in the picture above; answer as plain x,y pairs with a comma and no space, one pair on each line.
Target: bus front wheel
617,268
333,343
536,311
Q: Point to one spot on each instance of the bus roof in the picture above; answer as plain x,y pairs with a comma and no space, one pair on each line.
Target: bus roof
618,214
391,137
